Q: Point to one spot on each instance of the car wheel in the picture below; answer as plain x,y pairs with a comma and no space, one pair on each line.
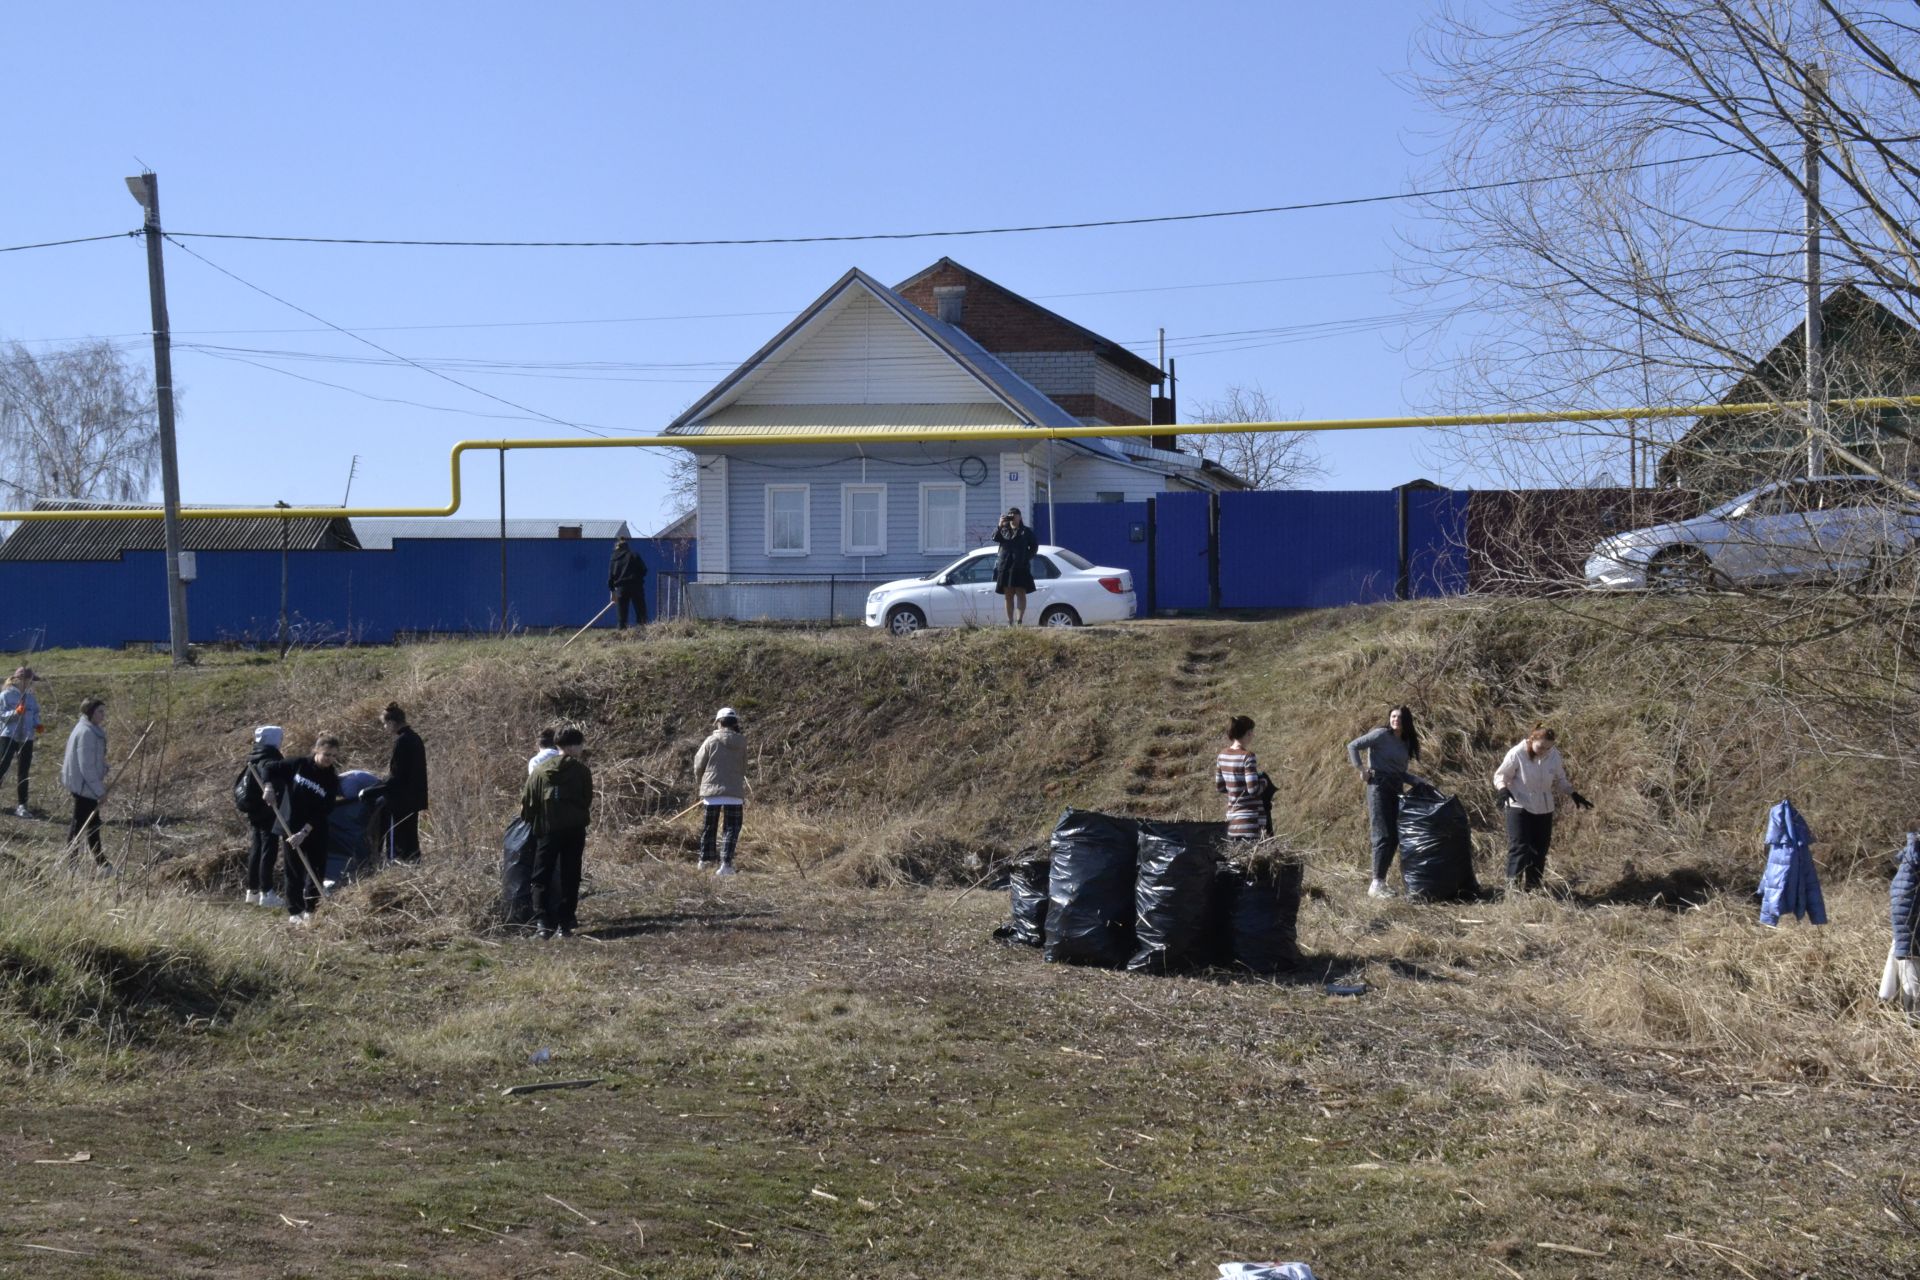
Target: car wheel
905,619
1060,615
1680,569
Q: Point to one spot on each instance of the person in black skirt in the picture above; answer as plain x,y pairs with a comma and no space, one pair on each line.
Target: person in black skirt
1013,571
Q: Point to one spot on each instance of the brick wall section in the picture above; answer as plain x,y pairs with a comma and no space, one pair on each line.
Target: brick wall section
1093,410
1053,373
993,317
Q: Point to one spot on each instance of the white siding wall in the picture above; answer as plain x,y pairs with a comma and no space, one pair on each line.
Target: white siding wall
824,470
862,353
1123,389
1083,479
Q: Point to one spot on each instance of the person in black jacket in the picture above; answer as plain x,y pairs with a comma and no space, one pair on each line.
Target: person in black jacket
1013,570
627,582
305,791
264,829
406,786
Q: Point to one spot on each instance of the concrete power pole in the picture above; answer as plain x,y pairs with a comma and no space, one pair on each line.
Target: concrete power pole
146,189
1816,354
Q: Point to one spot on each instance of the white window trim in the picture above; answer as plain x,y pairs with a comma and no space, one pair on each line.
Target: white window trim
847,547
806,519
926,546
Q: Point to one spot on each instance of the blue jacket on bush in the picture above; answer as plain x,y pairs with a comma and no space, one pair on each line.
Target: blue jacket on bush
1906,897
1790,886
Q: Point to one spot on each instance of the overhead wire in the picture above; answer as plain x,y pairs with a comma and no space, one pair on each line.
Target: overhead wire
54,244
1346,202
545,417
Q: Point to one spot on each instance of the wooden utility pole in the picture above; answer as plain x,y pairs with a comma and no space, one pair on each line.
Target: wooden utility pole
146,189
1816,354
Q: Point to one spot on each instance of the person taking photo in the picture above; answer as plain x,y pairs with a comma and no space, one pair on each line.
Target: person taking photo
1013,568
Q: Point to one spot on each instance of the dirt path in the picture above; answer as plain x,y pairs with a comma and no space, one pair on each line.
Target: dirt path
1172,769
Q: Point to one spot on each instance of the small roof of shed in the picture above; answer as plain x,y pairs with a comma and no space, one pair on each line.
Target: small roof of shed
109,539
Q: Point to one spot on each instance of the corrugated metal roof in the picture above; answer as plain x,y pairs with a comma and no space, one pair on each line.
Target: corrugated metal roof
108,539
844,419
378,535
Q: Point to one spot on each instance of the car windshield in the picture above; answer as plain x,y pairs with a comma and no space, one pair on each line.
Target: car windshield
1732,505
1078,562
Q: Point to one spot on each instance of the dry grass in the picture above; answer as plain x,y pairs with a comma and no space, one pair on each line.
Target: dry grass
1604,1067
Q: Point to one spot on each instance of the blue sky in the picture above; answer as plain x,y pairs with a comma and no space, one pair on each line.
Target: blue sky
669,120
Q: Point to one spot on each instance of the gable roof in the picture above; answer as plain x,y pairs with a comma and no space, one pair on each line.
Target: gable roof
1000,384
109,539
1104,347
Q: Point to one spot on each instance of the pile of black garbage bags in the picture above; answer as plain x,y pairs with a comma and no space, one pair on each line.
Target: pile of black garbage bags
1157,897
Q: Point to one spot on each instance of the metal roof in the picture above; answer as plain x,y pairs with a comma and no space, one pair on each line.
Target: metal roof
832,419
109,539
379,535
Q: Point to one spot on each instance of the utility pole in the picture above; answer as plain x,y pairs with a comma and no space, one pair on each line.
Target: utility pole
1816,355
503,541
146,189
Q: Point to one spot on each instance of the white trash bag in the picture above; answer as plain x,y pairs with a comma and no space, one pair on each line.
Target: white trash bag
1265,1271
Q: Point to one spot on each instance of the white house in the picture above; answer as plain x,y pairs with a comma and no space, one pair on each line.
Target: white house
798,532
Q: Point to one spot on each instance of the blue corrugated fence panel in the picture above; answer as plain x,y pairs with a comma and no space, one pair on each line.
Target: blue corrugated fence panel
1300,550
1180,560
1436,543
1103,532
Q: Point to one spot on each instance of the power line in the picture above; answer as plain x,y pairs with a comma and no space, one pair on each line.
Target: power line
562,422
54,244
1303,206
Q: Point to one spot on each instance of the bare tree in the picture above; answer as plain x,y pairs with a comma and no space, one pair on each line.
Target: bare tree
1635,235
1647,244
683,483
76,423
1265,460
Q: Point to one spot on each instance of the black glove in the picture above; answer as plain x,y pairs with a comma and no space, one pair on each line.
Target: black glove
1502,797
1368,774
1580,800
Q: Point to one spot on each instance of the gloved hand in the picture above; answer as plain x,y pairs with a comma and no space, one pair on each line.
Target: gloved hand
1369,776
1503,797
1580,800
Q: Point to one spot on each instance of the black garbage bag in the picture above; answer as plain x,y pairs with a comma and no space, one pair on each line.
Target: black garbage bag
1173,893
1027,895
516,873
1436,846
1090,890
1262,911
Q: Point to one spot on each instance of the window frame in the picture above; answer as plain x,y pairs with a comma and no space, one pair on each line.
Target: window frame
847,546
927,489
806,519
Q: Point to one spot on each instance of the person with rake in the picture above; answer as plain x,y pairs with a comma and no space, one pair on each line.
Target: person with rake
304,791
83,772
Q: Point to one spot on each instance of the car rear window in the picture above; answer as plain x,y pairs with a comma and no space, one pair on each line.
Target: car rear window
1078,562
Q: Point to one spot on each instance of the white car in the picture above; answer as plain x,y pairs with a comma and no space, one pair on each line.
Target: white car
1818,527
1068,592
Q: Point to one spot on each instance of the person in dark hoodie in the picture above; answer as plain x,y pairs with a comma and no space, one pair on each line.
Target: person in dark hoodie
627,582
305,790
558,803
264,851
406,797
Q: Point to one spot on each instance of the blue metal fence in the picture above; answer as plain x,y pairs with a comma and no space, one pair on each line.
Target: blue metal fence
421,586
1289,549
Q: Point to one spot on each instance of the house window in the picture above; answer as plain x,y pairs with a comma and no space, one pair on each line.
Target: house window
943,517
1108,495
787,512
863,519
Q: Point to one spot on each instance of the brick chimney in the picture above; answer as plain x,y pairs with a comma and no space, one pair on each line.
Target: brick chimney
949,300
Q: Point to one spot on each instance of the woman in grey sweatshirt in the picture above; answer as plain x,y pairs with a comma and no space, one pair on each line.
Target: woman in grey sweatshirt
1391,751
83,771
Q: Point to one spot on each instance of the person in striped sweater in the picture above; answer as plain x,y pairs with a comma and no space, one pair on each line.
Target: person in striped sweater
1236,775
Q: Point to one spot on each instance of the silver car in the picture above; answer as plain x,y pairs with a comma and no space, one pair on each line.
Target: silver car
1817,527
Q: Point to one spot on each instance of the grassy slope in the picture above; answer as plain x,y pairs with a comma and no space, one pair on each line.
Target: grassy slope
1657,1087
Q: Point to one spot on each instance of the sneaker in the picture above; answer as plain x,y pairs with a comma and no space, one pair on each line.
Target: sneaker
703,864
543,934
268,898
105,870
1379,889
300,920
726,869
252,898
563,932
20,811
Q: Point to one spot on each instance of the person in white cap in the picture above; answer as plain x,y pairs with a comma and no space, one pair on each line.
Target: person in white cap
721,767
264,851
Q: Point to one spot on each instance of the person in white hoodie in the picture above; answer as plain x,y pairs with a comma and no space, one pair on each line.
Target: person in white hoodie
83,772
1526,785
721,767
546,752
